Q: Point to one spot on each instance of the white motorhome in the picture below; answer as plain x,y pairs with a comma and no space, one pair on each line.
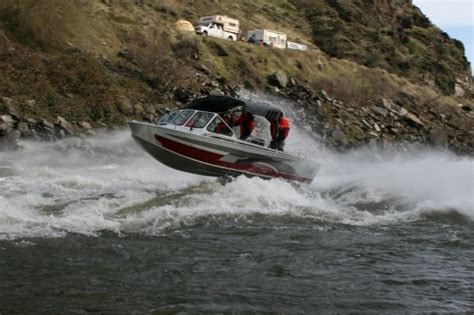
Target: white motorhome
218,26
267,37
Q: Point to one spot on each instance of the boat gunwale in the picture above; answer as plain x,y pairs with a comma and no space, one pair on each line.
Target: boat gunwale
213,136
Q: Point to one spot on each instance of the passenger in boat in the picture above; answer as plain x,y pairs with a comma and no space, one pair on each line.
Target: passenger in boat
247,124
222,125
279,129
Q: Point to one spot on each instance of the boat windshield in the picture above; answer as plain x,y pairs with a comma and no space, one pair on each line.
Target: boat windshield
217,125
167,117
199,120
182,117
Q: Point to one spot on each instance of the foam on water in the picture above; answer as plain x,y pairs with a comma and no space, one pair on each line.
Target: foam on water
84,185
427,180
77,185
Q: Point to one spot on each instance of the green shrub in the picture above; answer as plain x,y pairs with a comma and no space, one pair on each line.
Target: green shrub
187,46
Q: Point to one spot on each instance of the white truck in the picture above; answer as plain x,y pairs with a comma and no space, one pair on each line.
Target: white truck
218,26
267,37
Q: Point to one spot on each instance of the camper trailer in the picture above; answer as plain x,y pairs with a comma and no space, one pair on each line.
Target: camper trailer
267,37
218,26
296,46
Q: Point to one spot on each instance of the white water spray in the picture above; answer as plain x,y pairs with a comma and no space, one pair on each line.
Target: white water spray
106,182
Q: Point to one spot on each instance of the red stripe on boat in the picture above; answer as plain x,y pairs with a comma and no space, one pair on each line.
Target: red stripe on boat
214,159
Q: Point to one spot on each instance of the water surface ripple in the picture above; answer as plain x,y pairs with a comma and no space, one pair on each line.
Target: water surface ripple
95,225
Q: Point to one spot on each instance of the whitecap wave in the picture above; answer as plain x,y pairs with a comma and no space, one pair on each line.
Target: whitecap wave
105,182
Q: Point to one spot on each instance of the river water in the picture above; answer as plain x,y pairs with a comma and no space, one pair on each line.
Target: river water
96,225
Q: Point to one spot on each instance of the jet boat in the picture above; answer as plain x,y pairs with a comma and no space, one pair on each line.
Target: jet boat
197,139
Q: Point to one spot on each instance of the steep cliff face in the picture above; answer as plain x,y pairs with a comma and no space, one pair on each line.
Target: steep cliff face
101,63
390,34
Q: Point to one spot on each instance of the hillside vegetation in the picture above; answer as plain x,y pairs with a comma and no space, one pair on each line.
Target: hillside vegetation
393,35
106,61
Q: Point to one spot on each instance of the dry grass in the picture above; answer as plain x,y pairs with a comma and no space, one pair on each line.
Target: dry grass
61,47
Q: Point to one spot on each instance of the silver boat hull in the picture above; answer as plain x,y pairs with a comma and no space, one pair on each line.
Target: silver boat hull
214,155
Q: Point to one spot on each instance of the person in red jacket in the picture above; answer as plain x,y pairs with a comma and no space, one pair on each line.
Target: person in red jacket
279,129
222,126
247,124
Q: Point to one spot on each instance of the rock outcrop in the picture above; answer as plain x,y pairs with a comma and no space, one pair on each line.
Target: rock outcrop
88,65
384,122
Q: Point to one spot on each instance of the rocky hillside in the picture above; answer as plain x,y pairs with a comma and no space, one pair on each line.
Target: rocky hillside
389,34
69,66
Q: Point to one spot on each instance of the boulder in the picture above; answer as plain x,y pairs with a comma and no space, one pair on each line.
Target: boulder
202,68
30,102
325,95
62,133
402,111
5,104
339,136
366,123
46,126
31,121
7,119
34,135
47,123
381,111
24,129
386,103
3,128
438,138
320,64
376,127
13,135
85,125
413,120
216,92
63,123
459,91
184,26
278,79
214,84
6,100
182,95
125,107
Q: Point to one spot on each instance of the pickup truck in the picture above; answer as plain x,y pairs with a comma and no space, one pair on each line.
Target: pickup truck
215,30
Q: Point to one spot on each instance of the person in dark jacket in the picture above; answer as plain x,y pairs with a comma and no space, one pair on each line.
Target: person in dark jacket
279,129
252,39
247,124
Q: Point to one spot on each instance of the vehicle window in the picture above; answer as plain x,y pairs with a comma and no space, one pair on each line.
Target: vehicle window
199,120
219,126
167,117
182,117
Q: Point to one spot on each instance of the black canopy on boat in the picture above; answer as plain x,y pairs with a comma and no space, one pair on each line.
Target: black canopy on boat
219,104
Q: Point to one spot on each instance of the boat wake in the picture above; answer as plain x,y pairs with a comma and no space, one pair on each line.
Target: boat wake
105,183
